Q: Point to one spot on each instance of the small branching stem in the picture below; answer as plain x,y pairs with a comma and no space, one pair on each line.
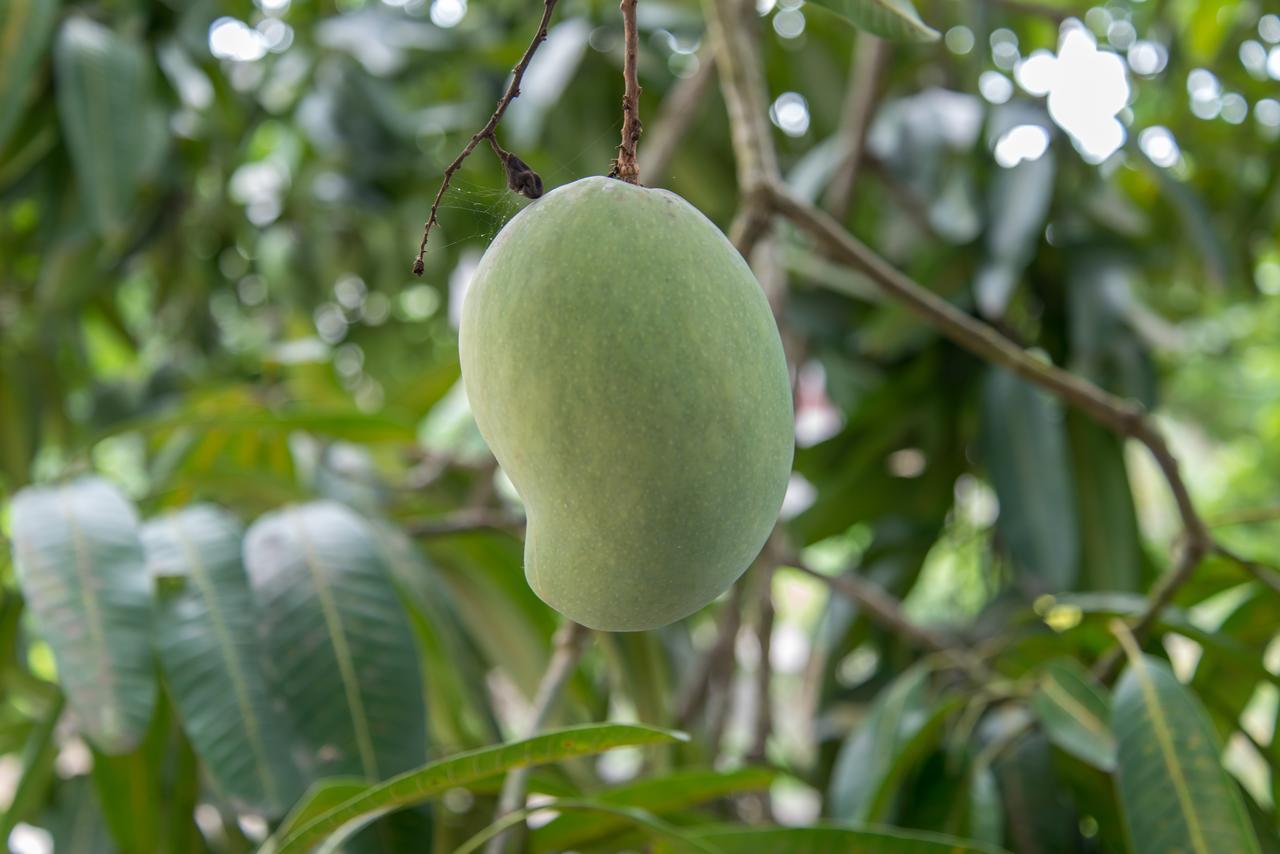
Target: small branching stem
520,178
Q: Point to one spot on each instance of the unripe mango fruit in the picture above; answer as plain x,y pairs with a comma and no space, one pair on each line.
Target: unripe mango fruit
623,364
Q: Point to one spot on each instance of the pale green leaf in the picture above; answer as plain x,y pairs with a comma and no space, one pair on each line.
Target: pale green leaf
206,638
81,568
338,648
895,20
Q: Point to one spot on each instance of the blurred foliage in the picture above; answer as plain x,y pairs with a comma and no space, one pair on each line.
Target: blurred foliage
208,213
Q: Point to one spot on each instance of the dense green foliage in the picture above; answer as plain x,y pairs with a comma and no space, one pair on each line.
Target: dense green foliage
259,559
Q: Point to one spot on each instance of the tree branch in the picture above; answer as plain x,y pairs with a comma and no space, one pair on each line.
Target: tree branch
1124,417
679,109
869,58
570,640
520,178
625,166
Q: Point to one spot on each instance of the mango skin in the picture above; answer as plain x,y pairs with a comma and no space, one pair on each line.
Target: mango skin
623,365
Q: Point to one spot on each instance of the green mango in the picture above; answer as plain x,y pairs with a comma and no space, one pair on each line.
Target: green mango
623,364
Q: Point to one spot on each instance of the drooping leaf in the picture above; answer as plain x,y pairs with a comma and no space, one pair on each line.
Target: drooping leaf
828,840
898,730
1074,714
1176,795
103,103
896,20
80,565
418,786
338,647
679,790
1110,543
1018,204
36,770
206,639
25,27
1039,815
1025,449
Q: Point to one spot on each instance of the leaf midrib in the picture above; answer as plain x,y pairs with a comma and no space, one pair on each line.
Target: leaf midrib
200,576
89,602
1164,739
341,650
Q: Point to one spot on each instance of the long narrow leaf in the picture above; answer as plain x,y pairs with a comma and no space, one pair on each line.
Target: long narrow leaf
339,650
25,27
102,102
421,785
80,565
896,20
1176,796
827,840
1074,714
669,793
206,638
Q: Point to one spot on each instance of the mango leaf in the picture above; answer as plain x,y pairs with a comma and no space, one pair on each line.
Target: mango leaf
673,792
1074,713
418,786
827,840
902,725
103,97
895,20
1025,449
37,769
206,638
1176,796
458,703
25,27
1110,543
1039,815
80,565
338,646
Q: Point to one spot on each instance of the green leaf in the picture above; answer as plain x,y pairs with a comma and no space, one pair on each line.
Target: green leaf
1110,542
206,638
673,792
338,646
1039,815
623,815
900,729
895,20
103,94
458,702
828,840
1025,451
1074,713
415,787
80,565
1176,796
25,27
37,769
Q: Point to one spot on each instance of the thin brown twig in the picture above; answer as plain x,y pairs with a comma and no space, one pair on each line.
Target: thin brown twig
625,166
1124,417
567,647
676,117
870,54
520,177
